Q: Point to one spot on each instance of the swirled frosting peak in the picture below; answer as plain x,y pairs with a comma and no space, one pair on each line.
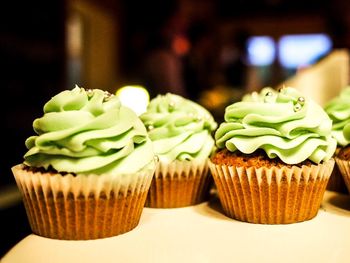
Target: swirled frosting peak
88,131
284,124
338,110
179,128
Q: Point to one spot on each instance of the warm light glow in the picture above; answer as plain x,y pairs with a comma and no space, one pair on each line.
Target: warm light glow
134,97
180,45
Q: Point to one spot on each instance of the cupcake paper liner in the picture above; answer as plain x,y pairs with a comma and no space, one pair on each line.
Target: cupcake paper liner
179,184
80,207
344,168
271,195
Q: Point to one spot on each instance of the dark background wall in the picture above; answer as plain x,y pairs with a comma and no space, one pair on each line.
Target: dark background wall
32,56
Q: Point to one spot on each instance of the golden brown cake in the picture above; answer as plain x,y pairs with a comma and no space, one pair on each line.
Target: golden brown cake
83,176
179,184
180,130
258,189
343,163
274,158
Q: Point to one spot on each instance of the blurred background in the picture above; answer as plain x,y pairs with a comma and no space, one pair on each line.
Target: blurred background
211,51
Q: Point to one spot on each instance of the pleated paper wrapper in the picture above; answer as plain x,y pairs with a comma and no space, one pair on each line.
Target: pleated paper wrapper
344,168
81,207
179,184
271,195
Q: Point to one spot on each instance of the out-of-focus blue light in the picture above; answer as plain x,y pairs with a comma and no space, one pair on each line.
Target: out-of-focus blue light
261,50
302,50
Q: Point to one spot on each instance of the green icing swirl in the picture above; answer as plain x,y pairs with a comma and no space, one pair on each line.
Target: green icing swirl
338,110
283,124
179,128
84,131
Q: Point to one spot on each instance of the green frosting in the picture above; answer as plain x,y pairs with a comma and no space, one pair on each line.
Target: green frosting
338,110
283,124
179,128
88,131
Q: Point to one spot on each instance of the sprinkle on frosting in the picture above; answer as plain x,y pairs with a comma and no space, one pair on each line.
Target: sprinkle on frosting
284,124
88,131
338,110
179,128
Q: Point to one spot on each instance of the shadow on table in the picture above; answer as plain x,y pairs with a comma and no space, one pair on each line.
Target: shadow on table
14,227
212,208
336,203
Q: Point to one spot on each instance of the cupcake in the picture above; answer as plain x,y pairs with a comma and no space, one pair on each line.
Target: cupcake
88,170
181,134
274,157
338,110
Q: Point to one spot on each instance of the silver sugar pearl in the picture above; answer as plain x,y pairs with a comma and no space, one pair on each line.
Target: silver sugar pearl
301,100
89,92
269,97
107,96
280,89
297,107
195,116
171,105
156,158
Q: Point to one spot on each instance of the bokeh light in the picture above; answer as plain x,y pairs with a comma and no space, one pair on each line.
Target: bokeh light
134,97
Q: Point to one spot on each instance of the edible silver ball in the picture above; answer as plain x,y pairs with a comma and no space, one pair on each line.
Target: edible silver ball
172,105
301,100
89,92
107,96
297,107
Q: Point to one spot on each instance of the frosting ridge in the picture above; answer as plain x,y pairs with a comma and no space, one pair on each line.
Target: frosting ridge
284,124
87,131
180,129
339,111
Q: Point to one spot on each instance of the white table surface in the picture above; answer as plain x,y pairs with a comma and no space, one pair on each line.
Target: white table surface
202,233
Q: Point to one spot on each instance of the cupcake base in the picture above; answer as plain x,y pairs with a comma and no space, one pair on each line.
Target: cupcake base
336,182
83,218
344,168
179,184
275,195
81,207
